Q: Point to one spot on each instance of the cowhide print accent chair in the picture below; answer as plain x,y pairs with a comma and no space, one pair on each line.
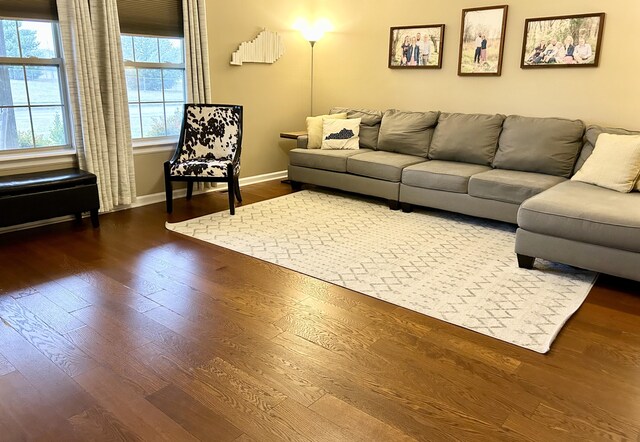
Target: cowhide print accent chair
208,150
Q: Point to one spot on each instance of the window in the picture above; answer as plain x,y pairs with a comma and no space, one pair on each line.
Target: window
155,72
33,108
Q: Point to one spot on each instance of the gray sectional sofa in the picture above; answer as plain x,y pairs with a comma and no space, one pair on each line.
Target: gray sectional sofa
508,168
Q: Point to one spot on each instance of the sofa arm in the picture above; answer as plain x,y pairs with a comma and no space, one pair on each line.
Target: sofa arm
302,141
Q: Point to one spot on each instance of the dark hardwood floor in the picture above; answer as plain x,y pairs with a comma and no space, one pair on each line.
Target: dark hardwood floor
132,332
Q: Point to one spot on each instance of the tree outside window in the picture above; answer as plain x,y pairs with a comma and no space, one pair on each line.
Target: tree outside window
156,91
32,102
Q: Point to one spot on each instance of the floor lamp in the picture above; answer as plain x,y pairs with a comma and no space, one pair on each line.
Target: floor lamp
313,33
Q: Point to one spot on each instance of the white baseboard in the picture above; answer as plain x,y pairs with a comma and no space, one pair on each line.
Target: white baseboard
220,187
152,199
44,222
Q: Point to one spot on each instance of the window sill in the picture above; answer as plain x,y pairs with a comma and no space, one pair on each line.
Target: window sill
17,160
144,146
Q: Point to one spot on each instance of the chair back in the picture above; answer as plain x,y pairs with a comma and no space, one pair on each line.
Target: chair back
211,131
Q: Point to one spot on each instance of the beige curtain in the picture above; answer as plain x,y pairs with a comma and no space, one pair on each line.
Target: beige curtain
197,59
97,89
197,51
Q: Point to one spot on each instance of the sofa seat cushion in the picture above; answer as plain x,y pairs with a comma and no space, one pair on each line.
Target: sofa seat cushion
510,186
541,145
586,213
449,176
385,166
333,160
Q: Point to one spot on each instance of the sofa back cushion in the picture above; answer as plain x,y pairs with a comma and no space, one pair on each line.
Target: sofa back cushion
408,133
542,145
369,125
467,138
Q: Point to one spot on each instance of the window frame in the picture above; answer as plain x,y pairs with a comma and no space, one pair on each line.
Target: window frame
63,86
164,139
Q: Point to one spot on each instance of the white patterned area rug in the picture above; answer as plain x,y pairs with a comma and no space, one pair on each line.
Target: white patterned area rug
455,268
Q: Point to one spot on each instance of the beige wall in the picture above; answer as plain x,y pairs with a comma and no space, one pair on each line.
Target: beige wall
351,63
274,96
150,172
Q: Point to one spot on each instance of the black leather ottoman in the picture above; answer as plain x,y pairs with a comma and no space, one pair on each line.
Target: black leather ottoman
34,196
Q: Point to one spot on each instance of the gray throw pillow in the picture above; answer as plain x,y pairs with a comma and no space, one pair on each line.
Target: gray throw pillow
590,138
408,133
369,126
542,145
467,138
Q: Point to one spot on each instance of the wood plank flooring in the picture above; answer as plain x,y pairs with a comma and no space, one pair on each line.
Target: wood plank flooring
132,332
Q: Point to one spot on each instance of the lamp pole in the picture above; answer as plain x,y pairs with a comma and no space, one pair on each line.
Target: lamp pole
312,43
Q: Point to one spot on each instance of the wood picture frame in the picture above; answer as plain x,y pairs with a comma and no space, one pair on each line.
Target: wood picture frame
482,37
410,49
544,47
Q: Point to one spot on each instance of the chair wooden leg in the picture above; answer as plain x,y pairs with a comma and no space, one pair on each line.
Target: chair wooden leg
168,188
236,189
189,190
232,200
231,190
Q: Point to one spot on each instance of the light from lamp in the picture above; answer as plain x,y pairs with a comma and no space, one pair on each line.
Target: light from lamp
312,32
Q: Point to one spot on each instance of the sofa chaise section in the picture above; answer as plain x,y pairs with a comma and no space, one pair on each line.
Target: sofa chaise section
583,225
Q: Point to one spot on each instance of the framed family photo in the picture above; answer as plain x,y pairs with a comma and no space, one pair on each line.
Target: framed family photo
482,40
416,47
566,41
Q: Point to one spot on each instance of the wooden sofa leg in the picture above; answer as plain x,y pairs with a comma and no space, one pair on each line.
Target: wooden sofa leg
295,185
95,221
406,207
526,262
393,204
